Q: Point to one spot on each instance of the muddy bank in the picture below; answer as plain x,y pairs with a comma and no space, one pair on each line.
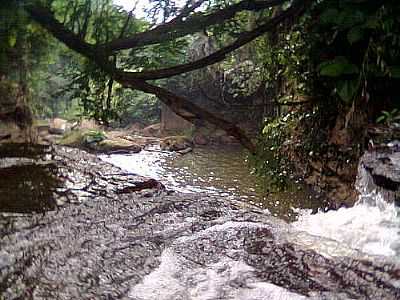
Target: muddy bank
106,240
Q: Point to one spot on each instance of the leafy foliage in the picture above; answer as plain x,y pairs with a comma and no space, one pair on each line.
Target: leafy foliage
137,107
269,162
389,117
344,55
357,43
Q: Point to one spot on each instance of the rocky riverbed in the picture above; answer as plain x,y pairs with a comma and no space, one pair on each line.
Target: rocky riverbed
93,231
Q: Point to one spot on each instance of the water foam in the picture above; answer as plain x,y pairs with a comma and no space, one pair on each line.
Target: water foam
175,279
372,225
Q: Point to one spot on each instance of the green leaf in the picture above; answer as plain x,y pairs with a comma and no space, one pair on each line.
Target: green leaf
347,89
381,119
12,40
371,23
355,34
338,67
394,72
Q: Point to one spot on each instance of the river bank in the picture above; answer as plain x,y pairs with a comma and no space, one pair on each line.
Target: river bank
105,238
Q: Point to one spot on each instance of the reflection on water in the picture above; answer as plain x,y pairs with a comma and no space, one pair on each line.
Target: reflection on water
215,171
27,188
27,179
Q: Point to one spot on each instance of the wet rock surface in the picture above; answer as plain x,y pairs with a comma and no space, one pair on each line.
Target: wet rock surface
100,243
382,167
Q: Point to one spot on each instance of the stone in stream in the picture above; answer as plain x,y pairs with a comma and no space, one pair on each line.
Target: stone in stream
58,126
103,244
176,143
382,169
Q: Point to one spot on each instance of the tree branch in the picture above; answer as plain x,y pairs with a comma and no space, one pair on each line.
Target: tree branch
190,111
187,9
178,27
178,104
217,56
46,19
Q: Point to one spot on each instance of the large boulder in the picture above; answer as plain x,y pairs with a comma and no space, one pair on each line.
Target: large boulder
118,145
379,171
89,124
58,126
175,143
152,130
99,141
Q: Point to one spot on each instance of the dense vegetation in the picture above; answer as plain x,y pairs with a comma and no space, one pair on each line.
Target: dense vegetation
341,59
326,70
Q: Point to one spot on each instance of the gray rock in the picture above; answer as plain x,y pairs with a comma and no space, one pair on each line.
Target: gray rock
108,242
382,167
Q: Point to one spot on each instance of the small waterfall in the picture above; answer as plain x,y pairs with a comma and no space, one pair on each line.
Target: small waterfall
372,225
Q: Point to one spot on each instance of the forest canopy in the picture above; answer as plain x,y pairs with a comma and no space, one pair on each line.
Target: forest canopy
315,48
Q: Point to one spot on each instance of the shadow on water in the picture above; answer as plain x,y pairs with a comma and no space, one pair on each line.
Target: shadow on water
27,179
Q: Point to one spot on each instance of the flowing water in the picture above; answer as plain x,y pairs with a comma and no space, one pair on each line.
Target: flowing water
75,227
371,226
216,171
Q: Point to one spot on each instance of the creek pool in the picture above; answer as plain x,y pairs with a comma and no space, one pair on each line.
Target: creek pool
216,171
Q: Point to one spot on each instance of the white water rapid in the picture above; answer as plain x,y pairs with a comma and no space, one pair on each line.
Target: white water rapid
371,226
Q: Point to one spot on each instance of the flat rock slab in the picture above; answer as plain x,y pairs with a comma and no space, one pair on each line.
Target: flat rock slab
100,243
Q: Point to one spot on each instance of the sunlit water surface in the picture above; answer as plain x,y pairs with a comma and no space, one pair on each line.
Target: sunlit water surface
372,226
104,244
216,171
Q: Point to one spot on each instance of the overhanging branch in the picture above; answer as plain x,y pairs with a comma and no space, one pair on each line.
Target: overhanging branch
194,23
46,19
217,56
181,106
178,104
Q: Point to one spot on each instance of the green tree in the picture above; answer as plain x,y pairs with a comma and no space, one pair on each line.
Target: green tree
79,28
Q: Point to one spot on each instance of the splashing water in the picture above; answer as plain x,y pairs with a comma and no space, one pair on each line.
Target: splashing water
226,279
372,225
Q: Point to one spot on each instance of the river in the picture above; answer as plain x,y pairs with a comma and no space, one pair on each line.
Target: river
216,171
371,226
75,227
